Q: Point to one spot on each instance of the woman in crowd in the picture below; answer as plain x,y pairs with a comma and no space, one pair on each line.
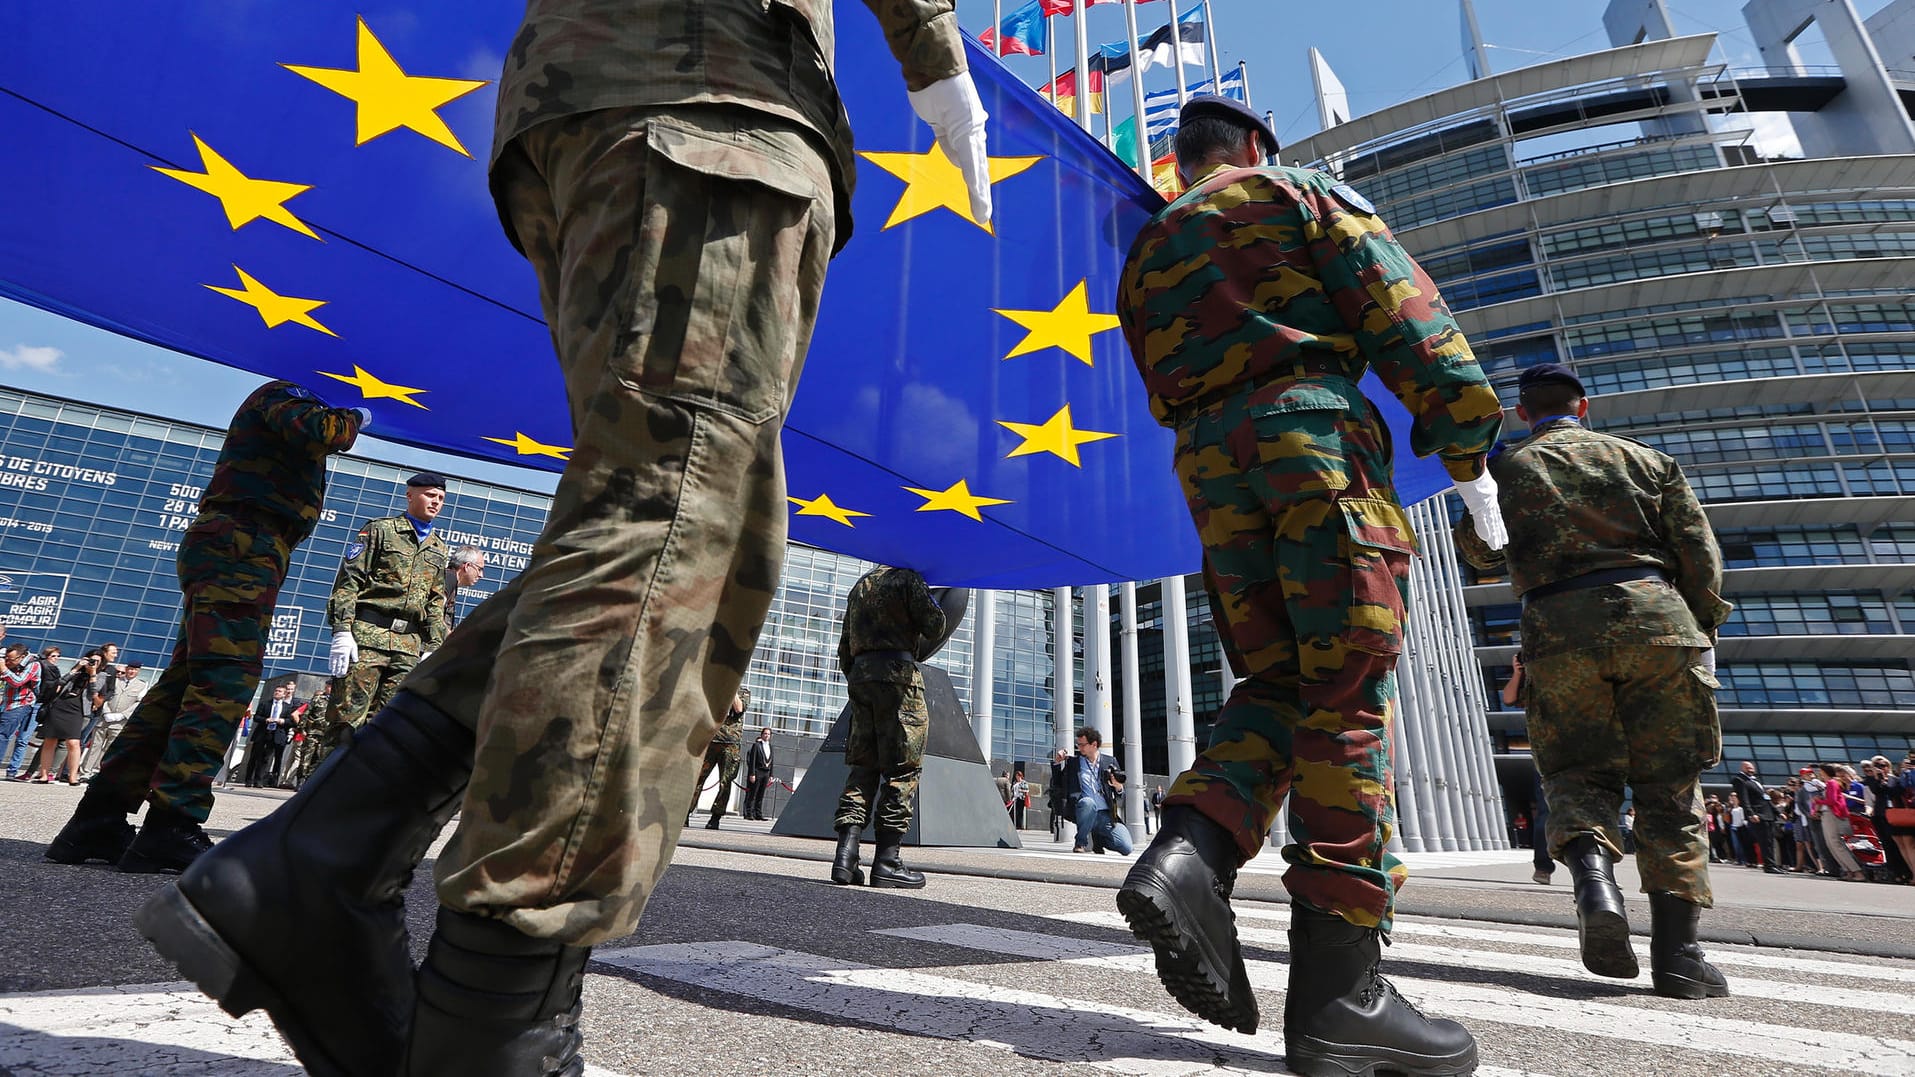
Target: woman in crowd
65,719
1885,793
1739,832
1833,813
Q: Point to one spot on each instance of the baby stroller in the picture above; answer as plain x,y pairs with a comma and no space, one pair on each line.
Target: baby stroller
1866,846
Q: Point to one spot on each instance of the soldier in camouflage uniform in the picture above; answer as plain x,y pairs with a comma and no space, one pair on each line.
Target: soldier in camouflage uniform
678,174
388,608
888,616
1252,306
722,755
1619,576
261,503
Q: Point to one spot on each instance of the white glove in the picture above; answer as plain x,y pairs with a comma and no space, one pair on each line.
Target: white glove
1707,660
345,651
956,115
1479,495
365,417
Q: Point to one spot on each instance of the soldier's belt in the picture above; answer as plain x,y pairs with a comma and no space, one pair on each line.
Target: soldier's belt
401,625
1190,409
904,655
1600,578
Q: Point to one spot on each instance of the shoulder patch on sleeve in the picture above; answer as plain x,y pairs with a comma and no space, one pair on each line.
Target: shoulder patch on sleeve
354,550
1348,195
300,392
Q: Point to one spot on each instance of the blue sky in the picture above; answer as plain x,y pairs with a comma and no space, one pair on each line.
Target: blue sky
1384,51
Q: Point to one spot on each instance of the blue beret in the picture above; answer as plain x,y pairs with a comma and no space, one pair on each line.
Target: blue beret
1544,373
427,478
1210,104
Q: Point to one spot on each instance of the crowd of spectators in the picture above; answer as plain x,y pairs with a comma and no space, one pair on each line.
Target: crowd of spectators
1835,820
71,715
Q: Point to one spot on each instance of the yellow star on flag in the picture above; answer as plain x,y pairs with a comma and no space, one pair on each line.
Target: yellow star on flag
958,498
1069,326
518,442
1054,435
274,309
244,198
372,388
933,182
822,505
387,97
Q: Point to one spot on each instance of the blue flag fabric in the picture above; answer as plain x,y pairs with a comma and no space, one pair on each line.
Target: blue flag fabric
298,190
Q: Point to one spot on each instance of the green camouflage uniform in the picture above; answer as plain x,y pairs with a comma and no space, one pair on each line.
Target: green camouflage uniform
391,593
1252,305
261,503
722,755
886,615
1614,694
678,174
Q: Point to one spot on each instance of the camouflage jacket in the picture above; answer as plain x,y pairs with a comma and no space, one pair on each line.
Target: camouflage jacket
270,479
773,56
1258,278
731,729
388,573
1578,501
888,611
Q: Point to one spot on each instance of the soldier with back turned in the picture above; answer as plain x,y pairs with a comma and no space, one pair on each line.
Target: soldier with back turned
1619,576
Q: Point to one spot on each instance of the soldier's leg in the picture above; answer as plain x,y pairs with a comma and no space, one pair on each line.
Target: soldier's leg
397,666
226,633
126,772
903,722
705,768
1669,716
861,757
350,704
1577,738
727,774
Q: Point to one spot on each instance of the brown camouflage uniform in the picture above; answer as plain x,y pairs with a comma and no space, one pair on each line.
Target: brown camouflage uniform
1252,305
1615,696
391,593
722,755
678,174
887,616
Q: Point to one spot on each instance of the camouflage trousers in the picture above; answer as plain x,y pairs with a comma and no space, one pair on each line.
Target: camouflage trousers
368,685
885,751
1306,562
722,758
680,256
1645,717
176,739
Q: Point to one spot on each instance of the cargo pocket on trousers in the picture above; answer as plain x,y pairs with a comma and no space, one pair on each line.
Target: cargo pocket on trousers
1708,723
1380,542
914,722
717,312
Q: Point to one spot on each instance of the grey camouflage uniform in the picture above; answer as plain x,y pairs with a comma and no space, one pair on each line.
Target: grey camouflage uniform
678,174
1614,693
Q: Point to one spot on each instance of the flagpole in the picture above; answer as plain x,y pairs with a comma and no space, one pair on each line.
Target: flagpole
1083,63
1176,55
1243,74
1050,57
1210,39
997,28
1137,89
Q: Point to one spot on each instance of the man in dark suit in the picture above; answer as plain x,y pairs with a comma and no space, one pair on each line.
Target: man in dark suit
757,775
1761,815
272,731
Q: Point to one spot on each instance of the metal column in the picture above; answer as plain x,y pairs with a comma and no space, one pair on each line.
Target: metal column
1133,707
1063,671
1182,733
983,670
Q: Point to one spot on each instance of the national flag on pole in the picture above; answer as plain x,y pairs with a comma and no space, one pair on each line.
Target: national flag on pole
1063,92
1024,32
1164,177
1160,106
1066,7
1190,42
1112,62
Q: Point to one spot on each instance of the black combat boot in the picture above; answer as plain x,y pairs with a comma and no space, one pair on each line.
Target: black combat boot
167,844
303,912
844,866
1602,923
1177,899
495,1002
887,865
712,823
97,831
1676,965
1341,1017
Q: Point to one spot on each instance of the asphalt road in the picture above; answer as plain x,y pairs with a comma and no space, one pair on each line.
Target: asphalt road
1009,962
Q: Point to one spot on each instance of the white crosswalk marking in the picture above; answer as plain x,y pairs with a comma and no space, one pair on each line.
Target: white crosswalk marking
152,1030
1688,1031
1037,1025
1416,861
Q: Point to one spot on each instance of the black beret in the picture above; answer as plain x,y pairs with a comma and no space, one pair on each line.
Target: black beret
1210,104
1545,373
427,478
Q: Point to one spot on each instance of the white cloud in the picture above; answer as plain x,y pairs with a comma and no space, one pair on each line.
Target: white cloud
1774,135
30,357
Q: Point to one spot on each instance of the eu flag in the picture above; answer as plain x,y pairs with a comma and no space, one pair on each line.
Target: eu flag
298,190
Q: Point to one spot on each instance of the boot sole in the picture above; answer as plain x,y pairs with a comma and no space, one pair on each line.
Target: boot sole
1669,985
61,852
1154,919
1604,938
182,936
1308,1056
854,877
879,882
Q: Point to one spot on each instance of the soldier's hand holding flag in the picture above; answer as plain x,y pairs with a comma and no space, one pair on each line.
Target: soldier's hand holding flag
956,114
1479,496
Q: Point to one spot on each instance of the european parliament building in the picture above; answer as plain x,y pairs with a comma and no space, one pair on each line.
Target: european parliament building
1752,315
93,502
